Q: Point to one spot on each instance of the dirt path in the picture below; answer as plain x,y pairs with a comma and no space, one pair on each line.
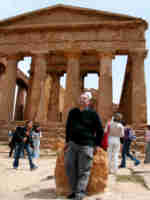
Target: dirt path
23,184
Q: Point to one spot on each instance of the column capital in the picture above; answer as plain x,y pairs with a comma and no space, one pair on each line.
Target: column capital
102,54
139,53
16,57
56,73
40,54
72,54
83,74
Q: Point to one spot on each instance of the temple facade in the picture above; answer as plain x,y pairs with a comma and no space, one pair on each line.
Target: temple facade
76,41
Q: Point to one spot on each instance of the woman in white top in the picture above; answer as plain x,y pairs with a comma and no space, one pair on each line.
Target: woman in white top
116,131
36,135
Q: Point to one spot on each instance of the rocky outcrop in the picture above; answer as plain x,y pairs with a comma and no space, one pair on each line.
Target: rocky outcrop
98,177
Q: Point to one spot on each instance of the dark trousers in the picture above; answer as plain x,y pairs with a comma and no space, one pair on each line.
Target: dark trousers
20,149
12,148
126,153
78,162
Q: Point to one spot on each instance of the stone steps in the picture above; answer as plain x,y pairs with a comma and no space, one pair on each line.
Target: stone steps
54,131
51,131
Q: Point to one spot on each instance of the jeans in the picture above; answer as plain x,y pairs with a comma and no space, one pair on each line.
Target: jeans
113,153
126,152
36,150
20,149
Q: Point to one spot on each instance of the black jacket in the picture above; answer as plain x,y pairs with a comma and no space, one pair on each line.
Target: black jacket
84,127
20,134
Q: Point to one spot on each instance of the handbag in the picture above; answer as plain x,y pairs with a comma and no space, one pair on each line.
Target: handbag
104,142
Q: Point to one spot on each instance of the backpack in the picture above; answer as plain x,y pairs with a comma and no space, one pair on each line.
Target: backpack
131,136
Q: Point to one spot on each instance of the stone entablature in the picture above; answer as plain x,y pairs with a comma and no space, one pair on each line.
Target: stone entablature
120,41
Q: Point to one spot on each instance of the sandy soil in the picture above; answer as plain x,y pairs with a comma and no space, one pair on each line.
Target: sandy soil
23,184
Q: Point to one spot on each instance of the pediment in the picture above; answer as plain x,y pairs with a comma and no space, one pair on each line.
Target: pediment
64,14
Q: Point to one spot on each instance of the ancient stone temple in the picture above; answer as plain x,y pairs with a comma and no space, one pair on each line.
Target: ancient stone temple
76,41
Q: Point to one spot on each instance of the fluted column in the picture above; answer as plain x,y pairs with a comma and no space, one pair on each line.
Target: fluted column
53,106
82,77
126,95
7,88
20,103
138,95
105,86
35,107
72,91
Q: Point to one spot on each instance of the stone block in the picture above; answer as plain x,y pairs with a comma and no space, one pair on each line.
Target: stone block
98,178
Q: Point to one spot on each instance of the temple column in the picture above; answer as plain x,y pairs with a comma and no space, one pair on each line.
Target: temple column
138,95
35,106
126,95
53,105
82,76
7,88
20,103
72,91
105,86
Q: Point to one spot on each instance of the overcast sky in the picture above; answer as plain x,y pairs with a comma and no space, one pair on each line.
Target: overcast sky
137,8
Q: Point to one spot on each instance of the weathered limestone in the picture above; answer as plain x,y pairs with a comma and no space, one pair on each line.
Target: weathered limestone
53,106
138,99
98,178
82,77
35,108
7,88
133,99
20,103
72,82
105,86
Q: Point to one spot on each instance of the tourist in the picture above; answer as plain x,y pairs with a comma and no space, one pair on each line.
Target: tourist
129,136
84,133
24,140
115,133
11,142
147,145
36,135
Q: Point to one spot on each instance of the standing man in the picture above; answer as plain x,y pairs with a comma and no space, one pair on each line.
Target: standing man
24,140
84,133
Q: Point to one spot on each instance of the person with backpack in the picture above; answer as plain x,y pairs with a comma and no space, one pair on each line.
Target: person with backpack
24,141
128,138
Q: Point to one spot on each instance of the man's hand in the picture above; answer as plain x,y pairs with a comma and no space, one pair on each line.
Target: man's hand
65,147
27,133
25,139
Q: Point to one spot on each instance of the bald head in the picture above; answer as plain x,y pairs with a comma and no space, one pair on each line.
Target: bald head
84,99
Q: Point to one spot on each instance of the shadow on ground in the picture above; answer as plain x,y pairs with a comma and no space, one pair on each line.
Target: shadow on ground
47,178
42,194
